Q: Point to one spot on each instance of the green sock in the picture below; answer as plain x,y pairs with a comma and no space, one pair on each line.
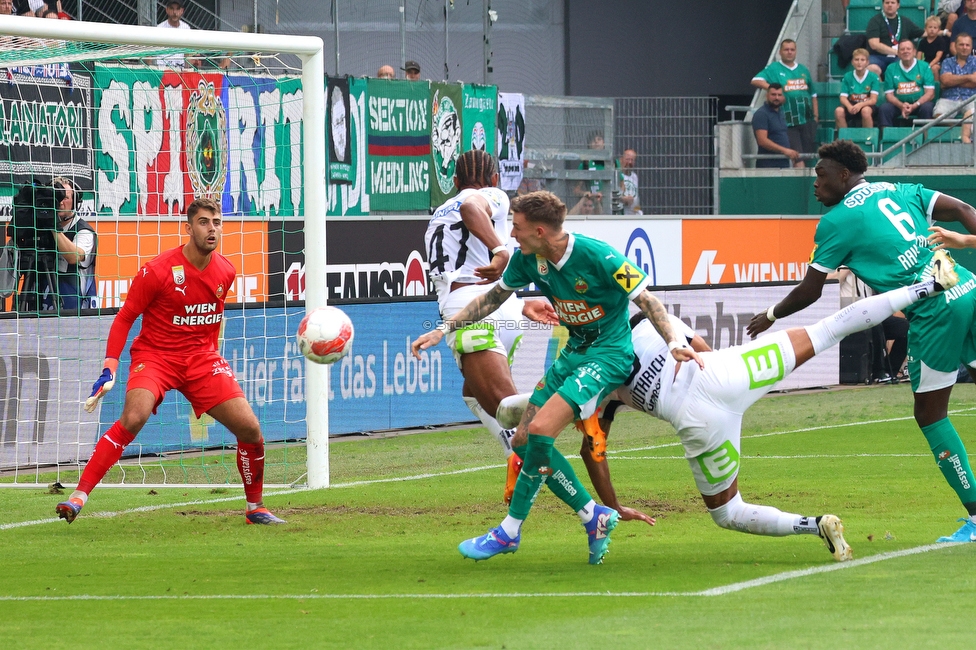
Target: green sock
538,454
950,455
564,483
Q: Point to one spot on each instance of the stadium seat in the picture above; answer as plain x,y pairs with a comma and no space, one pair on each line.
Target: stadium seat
914,12
859,16
940,133
894,134
866,139
825,134
828,98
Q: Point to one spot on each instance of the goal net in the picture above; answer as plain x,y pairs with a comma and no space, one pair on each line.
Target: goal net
139,121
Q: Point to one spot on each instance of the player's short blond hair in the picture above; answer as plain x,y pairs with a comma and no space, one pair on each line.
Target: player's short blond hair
541,207
202,204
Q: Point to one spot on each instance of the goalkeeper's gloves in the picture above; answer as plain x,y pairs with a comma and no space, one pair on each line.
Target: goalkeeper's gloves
103,384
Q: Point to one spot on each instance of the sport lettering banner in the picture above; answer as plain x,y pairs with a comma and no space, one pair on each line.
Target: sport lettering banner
165,137
445,140
479,104
337,117
399,145
352,198
46,125
511,137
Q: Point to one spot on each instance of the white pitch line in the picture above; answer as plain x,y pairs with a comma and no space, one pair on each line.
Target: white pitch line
770,457
783,433
715,591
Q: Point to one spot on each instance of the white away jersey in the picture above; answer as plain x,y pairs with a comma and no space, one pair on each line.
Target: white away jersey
644,390
451,250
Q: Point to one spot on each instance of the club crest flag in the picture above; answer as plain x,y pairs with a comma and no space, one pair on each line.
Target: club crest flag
398,134
478,117
338,120
511,138
445,139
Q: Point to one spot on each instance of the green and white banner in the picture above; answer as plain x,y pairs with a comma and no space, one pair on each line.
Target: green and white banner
337,117
511,138
445,140
399,144
352,198
478,117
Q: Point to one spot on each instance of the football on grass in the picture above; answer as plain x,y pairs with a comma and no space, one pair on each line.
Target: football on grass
325,335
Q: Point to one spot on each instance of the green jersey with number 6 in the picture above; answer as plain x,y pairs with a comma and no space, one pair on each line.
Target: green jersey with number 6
879,231
589,289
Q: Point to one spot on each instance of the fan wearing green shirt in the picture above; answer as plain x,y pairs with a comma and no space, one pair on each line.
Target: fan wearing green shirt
909,87
800,110
590,284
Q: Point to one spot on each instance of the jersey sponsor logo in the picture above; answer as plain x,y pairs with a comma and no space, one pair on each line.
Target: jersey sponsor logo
907,87
960,290
628,276
578,312
861,195
719,465
179,277
765,366
445,139
649,379
206,152
856,98
795,84
580,285
199,314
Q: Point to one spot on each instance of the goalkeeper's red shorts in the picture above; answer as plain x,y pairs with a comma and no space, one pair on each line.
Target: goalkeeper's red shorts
206,379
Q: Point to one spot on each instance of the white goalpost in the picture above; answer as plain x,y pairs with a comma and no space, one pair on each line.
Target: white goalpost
142,120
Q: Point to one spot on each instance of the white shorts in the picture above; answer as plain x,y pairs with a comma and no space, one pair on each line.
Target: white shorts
500,332
709,423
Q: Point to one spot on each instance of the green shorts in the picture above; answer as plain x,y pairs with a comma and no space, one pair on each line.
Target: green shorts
941,335
583,379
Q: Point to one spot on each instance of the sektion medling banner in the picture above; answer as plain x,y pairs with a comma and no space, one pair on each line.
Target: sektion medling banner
399,144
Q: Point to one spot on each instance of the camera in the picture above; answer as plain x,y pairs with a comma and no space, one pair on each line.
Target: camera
35,217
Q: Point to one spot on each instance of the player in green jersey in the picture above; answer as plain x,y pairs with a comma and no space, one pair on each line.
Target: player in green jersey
879,231
589,283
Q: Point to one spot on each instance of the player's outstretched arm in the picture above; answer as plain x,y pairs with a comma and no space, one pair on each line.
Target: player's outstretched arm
942,238
658,315
476,310
802,296
948,208
599,472
476,215
103,384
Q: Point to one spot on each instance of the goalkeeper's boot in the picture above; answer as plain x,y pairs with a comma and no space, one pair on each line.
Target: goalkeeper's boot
598,531
965,534
944,270
832,533
69,509
262,516
595,436
514,467
494,542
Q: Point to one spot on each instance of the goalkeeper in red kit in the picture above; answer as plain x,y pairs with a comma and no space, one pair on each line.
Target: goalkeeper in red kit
180,295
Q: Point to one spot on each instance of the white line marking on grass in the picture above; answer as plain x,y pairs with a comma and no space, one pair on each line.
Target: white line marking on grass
782,433
770,457
716,591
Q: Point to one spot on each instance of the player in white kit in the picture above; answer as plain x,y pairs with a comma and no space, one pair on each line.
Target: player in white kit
705,406
466,252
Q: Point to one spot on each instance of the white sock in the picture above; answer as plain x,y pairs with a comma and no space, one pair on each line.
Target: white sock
760,520
511,526
860,316
78,494
586,513
252,506
503,436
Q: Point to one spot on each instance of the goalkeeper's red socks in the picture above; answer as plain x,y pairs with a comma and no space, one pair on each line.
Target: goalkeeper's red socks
250,463
108,451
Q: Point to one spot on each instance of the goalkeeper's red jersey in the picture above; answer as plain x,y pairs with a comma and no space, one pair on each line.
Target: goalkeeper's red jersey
182,308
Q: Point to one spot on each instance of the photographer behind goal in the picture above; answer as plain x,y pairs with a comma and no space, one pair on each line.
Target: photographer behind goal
57,248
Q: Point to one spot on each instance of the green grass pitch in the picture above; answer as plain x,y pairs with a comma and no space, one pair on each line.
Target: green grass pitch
372,562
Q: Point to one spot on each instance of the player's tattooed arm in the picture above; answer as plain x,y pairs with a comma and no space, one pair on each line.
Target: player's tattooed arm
476,310
658,315
521,436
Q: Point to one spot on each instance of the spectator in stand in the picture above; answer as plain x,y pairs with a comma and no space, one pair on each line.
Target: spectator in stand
966,22
174,20
412,70
884,32
859,92
386,72
28,7
948,11
6,8
933,47
594,188
800,108
769,126
629,185
909,87
959,82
